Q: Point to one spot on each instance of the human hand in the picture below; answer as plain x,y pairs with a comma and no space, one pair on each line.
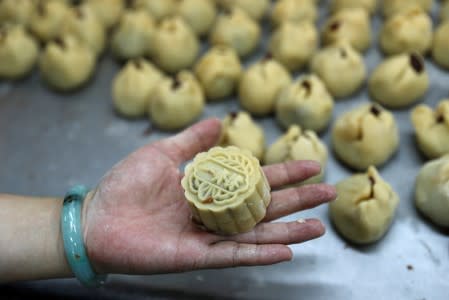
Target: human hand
137,220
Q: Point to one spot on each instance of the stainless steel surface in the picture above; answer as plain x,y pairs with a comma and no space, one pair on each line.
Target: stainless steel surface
49,141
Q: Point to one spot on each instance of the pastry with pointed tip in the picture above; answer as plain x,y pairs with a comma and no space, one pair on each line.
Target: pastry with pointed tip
47,19
108,12
16,11
158,9
294,11
256,9
198,14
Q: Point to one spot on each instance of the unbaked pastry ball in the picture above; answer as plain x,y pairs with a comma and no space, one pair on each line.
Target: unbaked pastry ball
16,11
444,11
341,68
352,24
432,129
293,44
133,36
159,9
256,9
240,130
176,101
391,7
18,52
307,103
298,144
176,46
406,31
107,11
369,5
294,11
440,47
236,29
219,72
82,23
199,14
66,63
365,207
365,136
133,87
399,81
261,84
431,191
47,19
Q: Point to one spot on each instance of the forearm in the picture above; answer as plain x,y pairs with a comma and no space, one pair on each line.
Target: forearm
31,245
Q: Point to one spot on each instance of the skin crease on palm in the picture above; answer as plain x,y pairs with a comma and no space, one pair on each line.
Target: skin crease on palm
137,220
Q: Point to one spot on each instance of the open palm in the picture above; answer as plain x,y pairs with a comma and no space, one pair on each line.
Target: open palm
137,220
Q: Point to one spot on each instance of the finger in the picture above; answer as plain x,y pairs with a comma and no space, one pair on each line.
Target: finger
197,138
288,201
291,172
282,233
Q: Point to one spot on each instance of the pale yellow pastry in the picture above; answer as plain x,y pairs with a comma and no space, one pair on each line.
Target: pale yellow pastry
399,81
256,9
176,46
440,47
66,63
298,144
108,11
82,23
391,7
369,5
307,103
240,130
133,87
432,191
406,31
18,52
176,102
293,44
219,72
227,190
365,207
47,19
159,9
351,24
444,11
199,14
16,11
365,136
134,35
432,129
294,11
261,84
341,68
237,30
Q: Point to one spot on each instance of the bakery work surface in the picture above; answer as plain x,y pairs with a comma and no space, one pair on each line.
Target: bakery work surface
50,141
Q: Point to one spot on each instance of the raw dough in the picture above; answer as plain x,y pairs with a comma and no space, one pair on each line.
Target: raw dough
47,19
294,11
440,47
399,81
261,84
159,9
199,14
432,129
369,5
391,7
219,72
107,11
365,207
306,102
226,190
365,136
256,9
341,68
16,11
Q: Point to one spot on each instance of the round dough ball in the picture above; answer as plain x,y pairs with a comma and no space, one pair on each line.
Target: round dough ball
399,81
365,136
219,72
108,12
256,9
341,68
444,11
294,11
199,14
240,130
16,11
177,102
306,102
82,23
410,30
18,52
66,63
133,87
159,9
432,129
47,19
365,207
261,84
133,37
176,47
431,191
369,5
237,30
351,24
293,44
391,7
440,47
298,144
